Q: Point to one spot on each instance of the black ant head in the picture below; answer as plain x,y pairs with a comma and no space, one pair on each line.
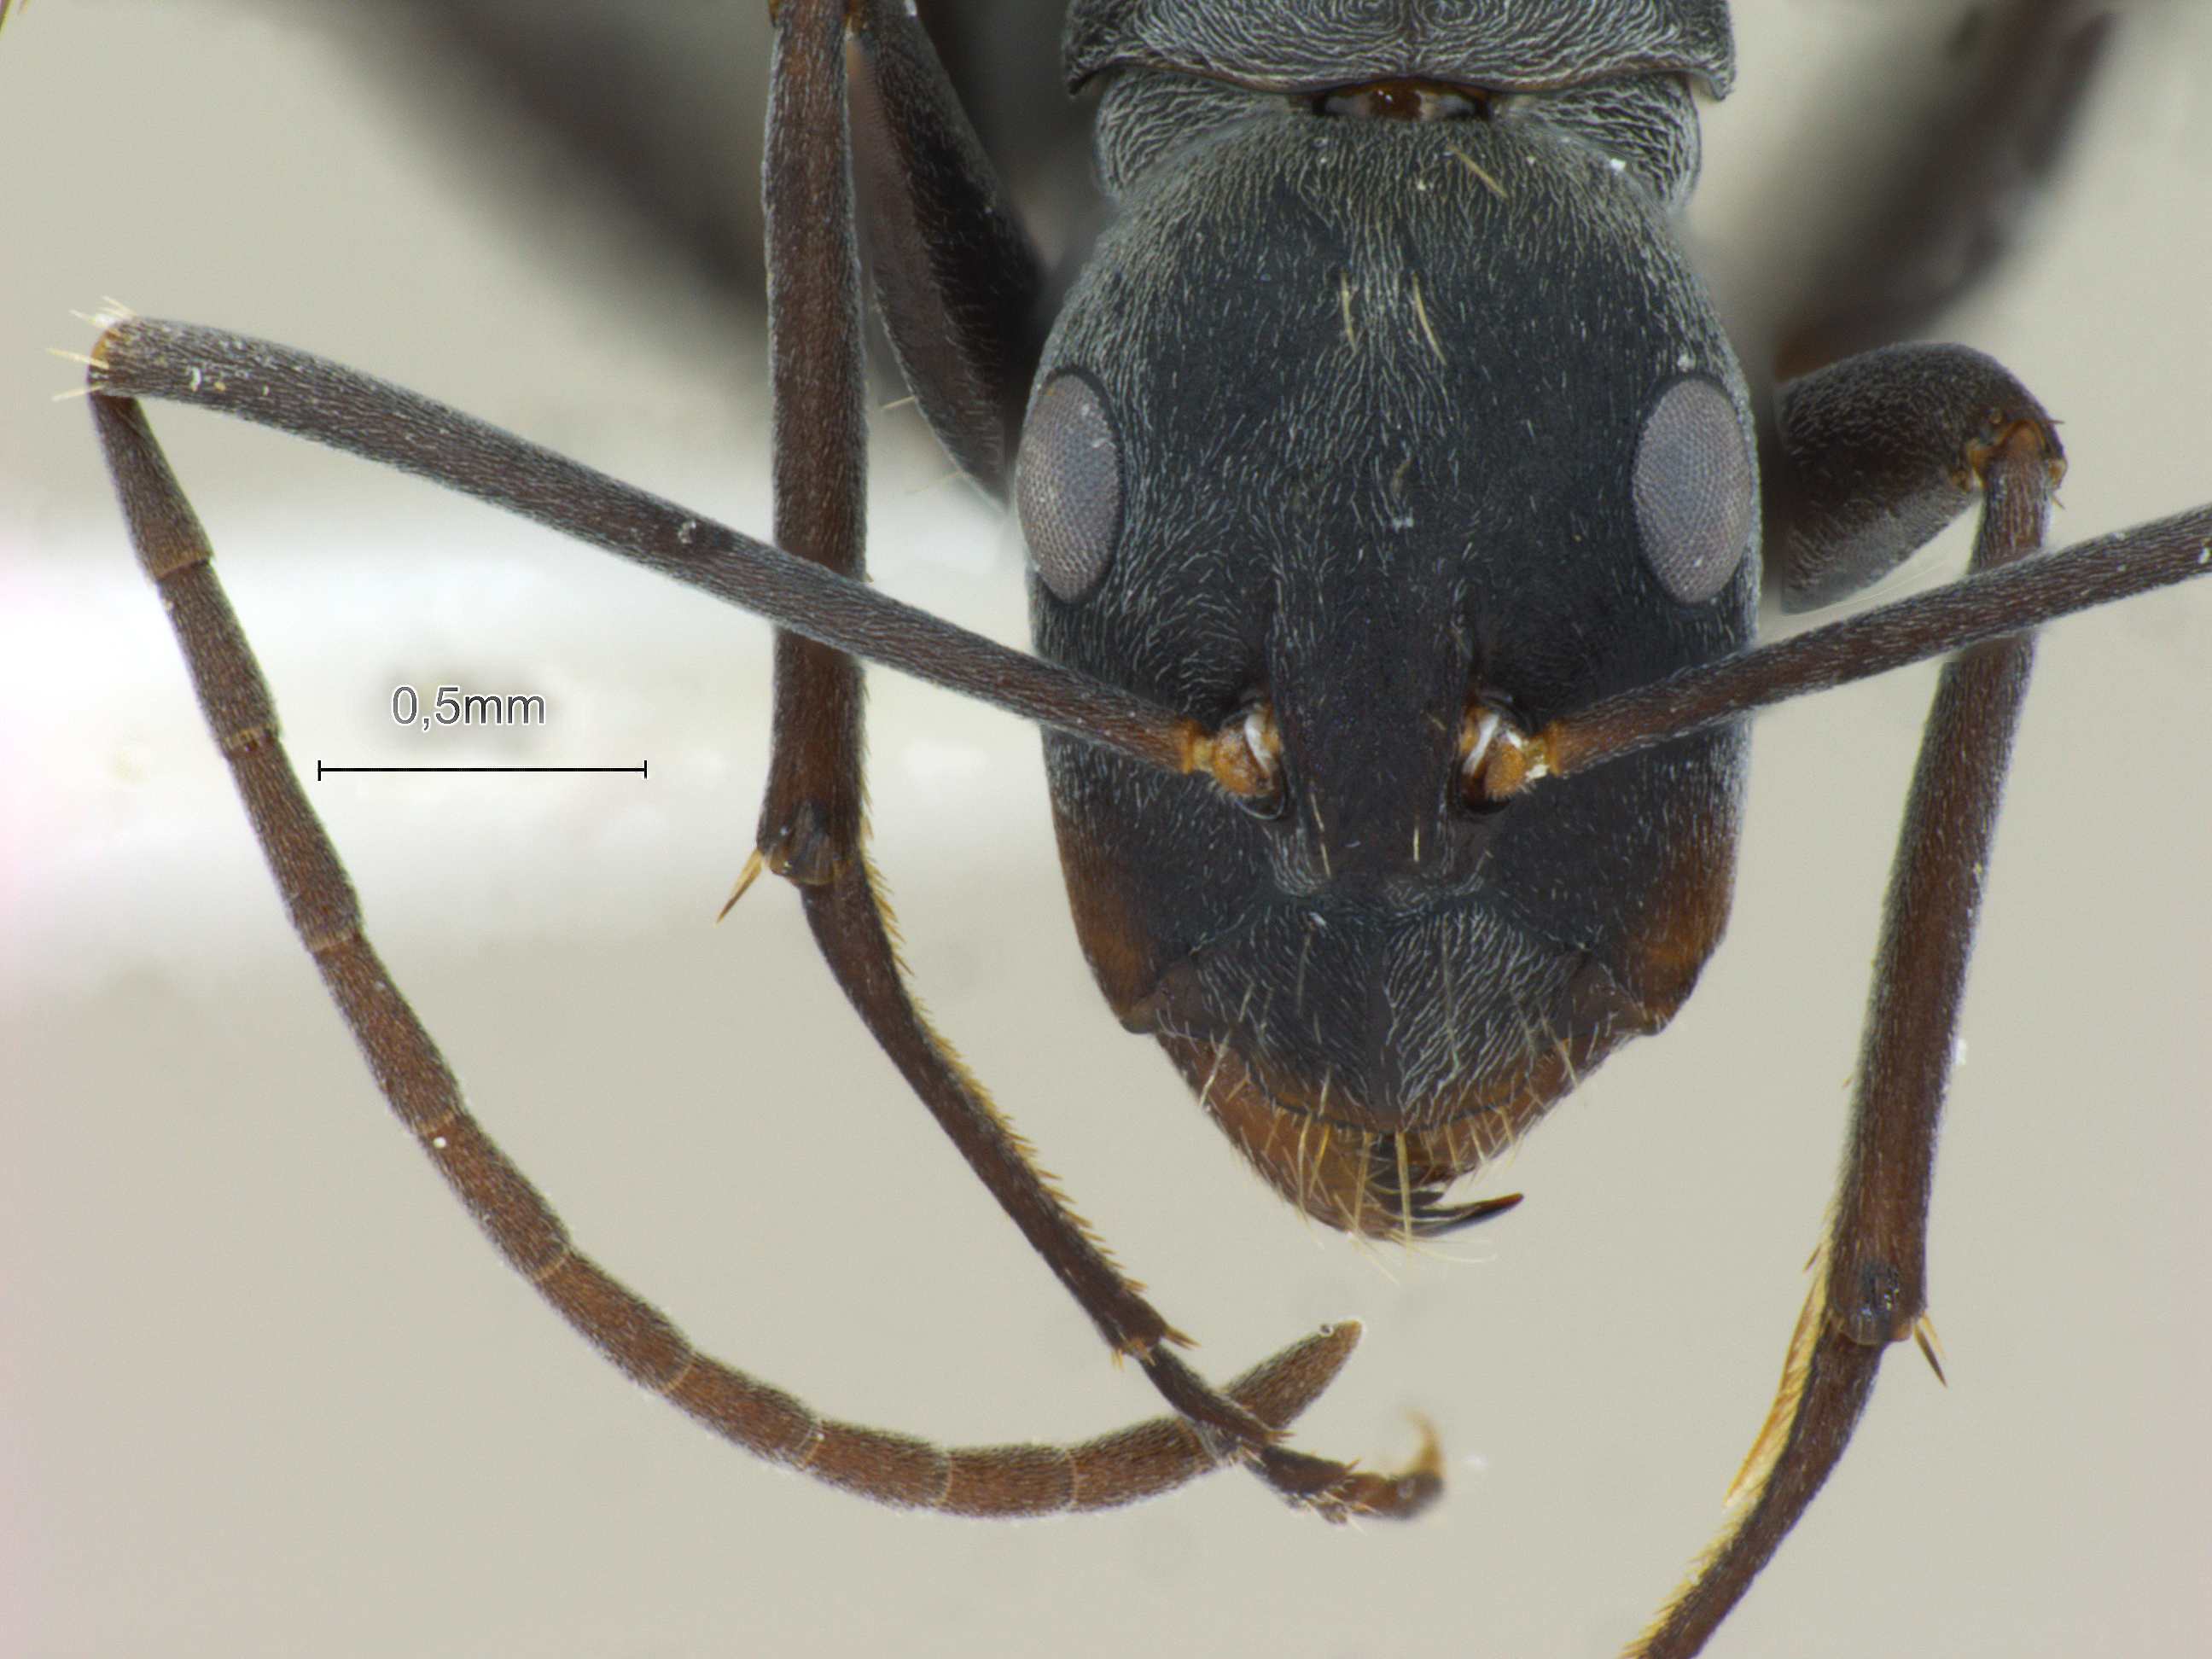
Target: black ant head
1372,443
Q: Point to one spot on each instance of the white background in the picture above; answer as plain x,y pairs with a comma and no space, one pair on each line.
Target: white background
262,1389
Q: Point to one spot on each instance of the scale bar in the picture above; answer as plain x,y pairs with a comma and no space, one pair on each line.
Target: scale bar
322,771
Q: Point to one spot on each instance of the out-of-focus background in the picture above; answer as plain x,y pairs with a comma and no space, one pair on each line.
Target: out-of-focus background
262,1389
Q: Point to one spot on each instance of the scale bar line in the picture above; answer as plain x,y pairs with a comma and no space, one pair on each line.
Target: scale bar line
322,771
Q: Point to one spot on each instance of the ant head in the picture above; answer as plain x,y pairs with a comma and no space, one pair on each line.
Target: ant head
1374,976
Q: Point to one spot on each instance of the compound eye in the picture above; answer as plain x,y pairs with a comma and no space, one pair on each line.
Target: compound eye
1067,487
1692,490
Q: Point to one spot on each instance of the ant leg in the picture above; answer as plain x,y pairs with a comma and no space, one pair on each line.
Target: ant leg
415,1080
1849,499
811,827
1950,207
956,281
1871,1290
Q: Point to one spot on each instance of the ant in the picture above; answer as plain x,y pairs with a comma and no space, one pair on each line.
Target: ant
1780,1087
